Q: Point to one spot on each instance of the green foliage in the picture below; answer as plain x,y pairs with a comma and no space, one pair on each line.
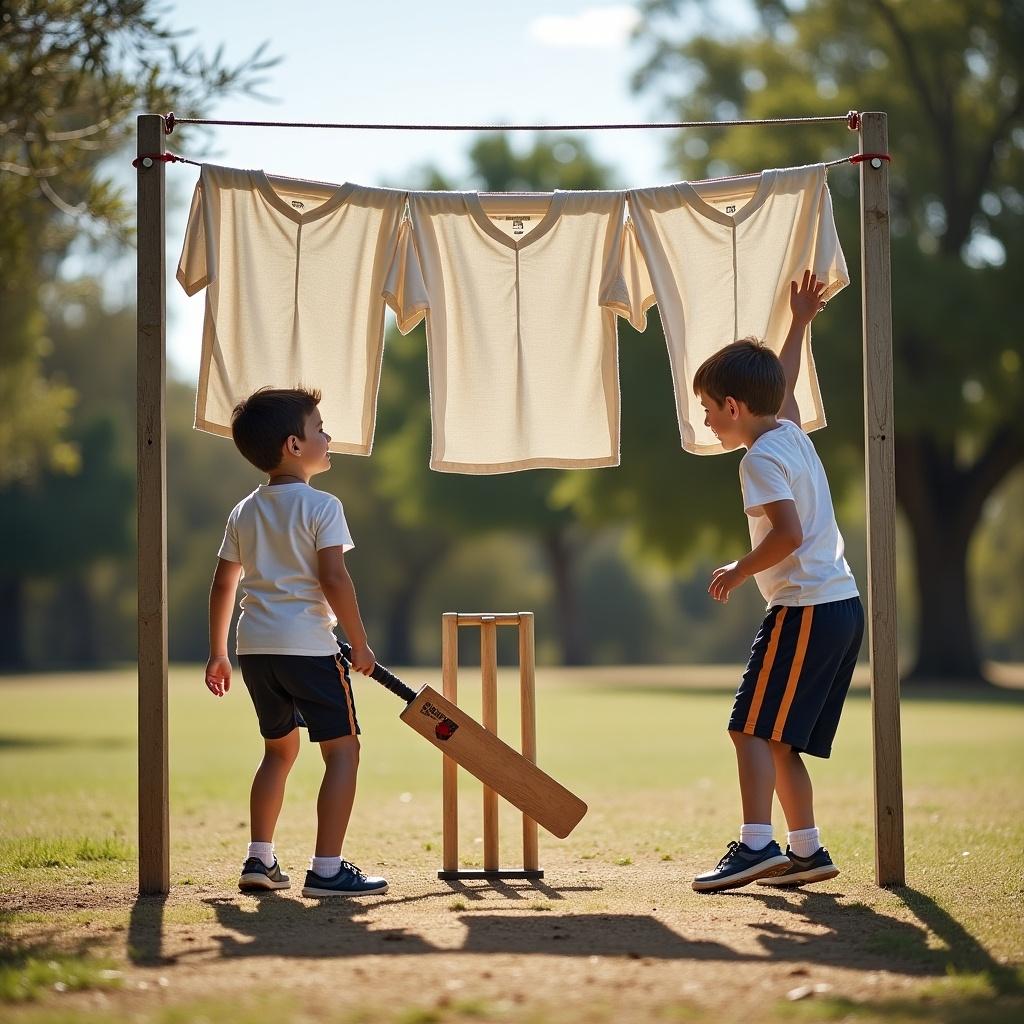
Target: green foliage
948,74
72,77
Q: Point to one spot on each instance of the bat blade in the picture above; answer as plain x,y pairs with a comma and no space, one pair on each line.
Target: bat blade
494,762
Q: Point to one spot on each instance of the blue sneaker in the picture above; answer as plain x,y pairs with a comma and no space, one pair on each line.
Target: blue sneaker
349,881
742,865
815,868
257,877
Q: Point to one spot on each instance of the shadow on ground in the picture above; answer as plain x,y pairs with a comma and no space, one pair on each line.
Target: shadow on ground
805,926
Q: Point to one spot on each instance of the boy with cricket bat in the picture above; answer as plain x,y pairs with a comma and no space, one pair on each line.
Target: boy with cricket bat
286,544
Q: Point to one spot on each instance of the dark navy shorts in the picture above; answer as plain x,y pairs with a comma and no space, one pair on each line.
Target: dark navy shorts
798,675
289,690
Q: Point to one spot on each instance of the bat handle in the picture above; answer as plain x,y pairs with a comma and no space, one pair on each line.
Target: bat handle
386,679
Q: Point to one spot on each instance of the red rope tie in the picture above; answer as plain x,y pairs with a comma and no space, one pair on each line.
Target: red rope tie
859,158
167,158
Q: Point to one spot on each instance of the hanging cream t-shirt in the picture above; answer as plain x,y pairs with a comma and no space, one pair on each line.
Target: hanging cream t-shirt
293,272
720,255
521,325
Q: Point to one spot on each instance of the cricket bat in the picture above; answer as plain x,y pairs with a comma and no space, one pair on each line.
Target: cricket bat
483,754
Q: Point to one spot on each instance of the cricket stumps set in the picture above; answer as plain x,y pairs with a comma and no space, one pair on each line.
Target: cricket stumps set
504,771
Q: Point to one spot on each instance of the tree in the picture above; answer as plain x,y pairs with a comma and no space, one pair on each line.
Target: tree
461,505
72,77
949,75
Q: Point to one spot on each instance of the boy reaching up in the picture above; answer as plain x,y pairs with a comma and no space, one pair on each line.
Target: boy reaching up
792,692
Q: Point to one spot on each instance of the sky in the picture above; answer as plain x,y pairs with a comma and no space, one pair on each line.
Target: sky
452,62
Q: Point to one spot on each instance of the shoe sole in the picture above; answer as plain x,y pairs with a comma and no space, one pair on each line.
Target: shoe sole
801,877
307,891
260,883
768,868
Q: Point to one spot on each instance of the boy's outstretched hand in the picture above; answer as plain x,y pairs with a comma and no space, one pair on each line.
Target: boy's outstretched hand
724,580
218,675
805,299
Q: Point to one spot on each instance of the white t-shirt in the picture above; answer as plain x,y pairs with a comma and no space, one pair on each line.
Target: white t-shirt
783,465
720,255
521,325
275,533
293,272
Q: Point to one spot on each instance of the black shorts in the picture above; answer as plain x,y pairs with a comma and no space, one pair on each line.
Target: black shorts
289,690
798,675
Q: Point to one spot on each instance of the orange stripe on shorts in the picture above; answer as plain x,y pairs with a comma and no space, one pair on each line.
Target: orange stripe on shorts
807,614
762,678
348,697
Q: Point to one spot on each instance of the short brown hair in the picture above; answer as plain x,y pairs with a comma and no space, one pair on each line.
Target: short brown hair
262,423
746,370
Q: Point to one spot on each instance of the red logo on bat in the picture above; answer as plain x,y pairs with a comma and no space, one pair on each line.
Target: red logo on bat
445,729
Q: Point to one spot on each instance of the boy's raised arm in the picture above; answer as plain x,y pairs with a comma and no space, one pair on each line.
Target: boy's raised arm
805,304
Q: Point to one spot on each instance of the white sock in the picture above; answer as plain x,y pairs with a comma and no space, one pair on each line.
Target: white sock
325,867
265,852
804,841
756,837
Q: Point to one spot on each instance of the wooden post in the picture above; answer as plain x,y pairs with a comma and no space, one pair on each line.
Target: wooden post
489,720
449,769
880,479
154,838
528,727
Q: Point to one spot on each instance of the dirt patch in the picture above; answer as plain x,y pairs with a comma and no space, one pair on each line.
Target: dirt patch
592,942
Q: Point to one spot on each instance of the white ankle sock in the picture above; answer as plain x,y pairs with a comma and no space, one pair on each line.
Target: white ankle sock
325,867
265,852
757,837
804,841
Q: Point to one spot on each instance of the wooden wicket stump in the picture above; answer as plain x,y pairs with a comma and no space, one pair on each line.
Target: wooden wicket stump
450,623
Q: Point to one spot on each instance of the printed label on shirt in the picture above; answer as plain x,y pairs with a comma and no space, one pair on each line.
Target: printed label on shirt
517,223
731,208
298,204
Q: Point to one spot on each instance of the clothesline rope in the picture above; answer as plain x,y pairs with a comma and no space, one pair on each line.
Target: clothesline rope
851,117
147,159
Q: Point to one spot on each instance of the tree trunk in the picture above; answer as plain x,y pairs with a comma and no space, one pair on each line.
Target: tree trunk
12,624
79,642
561,560
402,605
946,649
943,501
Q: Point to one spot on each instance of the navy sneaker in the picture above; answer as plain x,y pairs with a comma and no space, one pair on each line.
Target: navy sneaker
257,877
815,868
349,881
742,865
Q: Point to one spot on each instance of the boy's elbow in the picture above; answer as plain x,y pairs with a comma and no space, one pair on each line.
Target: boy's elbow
795,536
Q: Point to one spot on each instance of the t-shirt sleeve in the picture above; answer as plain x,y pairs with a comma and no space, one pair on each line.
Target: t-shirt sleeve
330,528
404,290
194,272
229,545
763,479
626,284
829,263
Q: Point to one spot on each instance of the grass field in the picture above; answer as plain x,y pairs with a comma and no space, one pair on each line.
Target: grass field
613,933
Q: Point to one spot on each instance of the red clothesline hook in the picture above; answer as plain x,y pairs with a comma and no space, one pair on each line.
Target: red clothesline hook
148,159
875,158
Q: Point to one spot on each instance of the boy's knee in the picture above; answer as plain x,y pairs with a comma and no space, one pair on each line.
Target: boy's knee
344,748
284,750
